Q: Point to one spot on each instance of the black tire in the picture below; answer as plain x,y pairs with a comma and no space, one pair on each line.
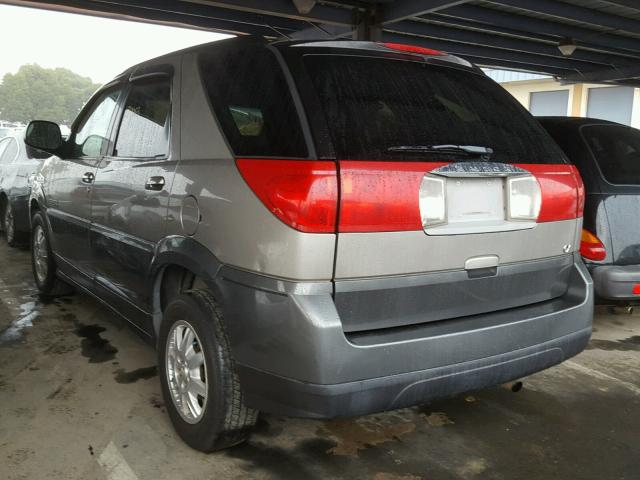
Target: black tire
48,284
14,237
225,420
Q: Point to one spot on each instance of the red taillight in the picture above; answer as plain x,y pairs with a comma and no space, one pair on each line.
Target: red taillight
381,196
377,196
591,247
580,187
561,191
636,289
401,47
301,193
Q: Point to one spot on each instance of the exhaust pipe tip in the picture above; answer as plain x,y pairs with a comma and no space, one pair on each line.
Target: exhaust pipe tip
514,386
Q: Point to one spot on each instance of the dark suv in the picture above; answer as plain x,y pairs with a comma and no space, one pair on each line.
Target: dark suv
607,155
317,229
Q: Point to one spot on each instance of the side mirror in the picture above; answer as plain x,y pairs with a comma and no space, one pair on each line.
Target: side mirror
43,135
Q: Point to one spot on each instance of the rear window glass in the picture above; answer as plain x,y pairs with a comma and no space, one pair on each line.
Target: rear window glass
251,99
374,105
617,152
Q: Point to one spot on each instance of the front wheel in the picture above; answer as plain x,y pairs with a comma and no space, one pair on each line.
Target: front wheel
197,373
14,238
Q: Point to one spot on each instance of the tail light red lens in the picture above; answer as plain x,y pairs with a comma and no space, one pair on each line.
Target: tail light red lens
561,188
591,247
378,196
381,196
401,47
303,194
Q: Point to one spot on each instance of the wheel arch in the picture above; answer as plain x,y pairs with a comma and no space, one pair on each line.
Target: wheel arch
178,265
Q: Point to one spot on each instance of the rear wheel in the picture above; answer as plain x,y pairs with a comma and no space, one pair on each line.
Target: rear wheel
197,373
42,261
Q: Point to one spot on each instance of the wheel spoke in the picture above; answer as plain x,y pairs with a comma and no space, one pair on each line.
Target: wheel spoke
195,360
197,387
187,339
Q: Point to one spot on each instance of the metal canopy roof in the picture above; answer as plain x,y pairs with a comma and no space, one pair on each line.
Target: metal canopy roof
512,34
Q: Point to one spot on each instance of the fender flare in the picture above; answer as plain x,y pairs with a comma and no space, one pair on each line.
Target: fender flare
185,252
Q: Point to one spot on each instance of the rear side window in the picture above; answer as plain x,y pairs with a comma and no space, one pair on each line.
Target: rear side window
617,152
144,129
374,105
252,101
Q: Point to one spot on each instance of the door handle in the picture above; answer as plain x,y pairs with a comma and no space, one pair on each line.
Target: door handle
88,177
154,183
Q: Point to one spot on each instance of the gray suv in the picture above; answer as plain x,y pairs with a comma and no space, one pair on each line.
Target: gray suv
317,229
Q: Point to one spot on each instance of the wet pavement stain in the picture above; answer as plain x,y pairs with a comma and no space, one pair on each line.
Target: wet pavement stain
29,311
438,419
57,391
299,462
122,376
352,436
94,347
625,345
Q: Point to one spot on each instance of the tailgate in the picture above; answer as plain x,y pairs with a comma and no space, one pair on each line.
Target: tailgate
453,200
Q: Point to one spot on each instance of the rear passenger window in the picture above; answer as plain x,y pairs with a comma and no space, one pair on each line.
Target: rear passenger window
144,130
251,99
617,152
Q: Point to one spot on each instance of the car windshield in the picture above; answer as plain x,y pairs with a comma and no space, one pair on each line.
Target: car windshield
387,109
616,148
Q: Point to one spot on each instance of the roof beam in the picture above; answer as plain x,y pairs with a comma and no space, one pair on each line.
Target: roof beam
503,42
285,8
403,9
531,24
521,34
128,12
574,12
605,75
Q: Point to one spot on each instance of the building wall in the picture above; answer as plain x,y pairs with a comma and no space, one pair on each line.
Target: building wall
522,85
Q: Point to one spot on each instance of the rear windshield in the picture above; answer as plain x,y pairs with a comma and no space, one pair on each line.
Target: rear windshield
617,151
374,105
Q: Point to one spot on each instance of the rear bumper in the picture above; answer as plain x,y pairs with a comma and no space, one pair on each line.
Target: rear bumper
615,282
294,358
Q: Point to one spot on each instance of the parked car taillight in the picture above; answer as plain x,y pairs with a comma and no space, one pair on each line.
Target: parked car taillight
301,193
392,196
591,247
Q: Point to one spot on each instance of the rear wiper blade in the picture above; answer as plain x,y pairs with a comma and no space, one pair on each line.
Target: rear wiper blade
449,149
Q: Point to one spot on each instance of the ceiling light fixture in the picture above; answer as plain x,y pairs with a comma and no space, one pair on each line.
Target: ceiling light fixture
567,46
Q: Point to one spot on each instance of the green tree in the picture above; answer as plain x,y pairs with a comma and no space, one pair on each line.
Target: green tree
54,94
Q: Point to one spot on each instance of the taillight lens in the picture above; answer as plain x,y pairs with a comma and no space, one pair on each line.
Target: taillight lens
524,198
401,47
591,247
301,193
381,196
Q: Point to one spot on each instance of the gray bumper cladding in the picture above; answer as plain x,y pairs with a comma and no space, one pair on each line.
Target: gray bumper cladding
295,359
615,282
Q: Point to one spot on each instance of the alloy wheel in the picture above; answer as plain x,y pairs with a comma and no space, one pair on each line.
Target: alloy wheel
186,371
40,254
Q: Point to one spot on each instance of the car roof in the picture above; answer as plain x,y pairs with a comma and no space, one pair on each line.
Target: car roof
333,44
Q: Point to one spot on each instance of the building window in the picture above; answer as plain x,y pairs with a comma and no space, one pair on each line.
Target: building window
611,103
552,103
